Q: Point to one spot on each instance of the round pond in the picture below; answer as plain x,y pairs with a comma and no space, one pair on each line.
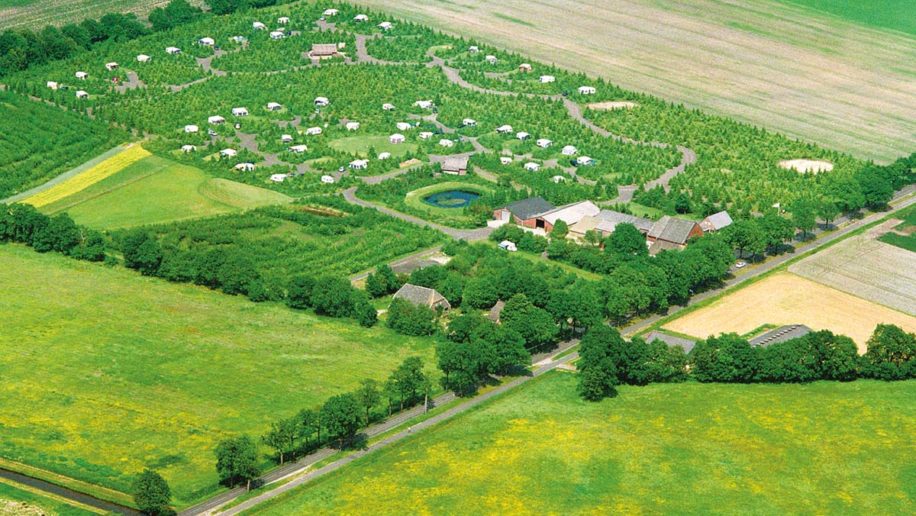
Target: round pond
451,198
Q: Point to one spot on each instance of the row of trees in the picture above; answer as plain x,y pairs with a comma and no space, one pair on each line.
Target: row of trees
607,360
24,224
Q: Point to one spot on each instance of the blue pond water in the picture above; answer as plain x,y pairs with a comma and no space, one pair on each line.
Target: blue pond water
451,199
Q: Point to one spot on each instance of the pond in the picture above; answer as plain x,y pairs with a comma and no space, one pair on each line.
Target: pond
451,198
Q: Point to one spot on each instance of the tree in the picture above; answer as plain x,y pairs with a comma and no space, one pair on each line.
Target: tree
459,365
361,309
827,210
837,355
479,292
560,230
599,353
141,252
382,282
406,381
747,235
891,354
237,460
776,229
535,325
331,296
152,493
176,13
342,416
282,436
225,6
876,187
409,319
598,381
299,292
309,423
727,358
803,216
368,395
626,240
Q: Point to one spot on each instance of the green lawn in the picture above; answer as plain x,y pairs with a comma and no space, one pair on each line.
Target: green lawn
106,372
908,226
362,144
18,499
898,15
834,448
155,190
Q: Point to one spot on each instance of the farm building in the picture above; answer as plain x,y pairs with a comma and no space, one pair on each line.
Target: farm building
473,49
404,126
81,75
206,42
505,160
532,166
491,59
469,122
522,135
313,131
359,164
569,150
326,179
524,67
781,334
258,26
172,50
587,90
330,12
570,214
716,222
543,143
504,129
274,106
81,94
188,148
352,126
286,138
671,233
384,155
323,50
298,149
283,20
112,66
545,79
396,138
424,104
385,25
445,142
523,212
239,111
584,161
143,58
277,34
53,85
245,167
228,152
506,245
191,128
360,18
388,107
215,119
322,101
456,165
605,222
422,296
425,135
278,178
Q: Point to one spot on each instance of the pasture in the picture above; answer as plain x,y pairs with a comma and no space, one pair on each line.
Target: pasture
785,298
867,268
886,14
156,190
784,67
106,372
19,500
677,448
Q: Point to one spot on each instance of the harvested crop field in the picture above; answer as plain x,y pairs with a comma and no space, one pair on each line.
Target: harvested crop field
788,68
35,14
611,105
866,268
789,299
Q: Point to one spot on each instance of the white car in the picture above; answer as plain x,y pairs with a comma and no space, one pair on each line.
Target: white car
740,264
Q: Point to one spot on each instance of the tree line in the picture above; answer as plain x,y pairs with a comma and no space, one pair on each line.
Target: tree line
608,360
22,223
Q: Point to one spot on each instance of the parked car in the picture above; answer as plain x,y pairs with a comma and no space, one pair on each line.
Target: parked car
740,264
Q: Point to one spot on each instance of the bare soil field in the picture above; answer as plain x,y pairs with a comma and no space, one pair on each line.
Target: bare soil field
805,74
611,105
789,299
867,268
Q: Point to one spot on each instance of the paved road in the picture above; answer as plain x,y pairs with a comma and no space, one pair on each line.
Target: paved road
68,494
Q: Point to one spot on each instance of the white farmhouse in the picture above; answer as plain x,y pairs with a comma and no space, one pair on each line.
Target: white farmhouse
245,167
278,178
384,155
321,101
569,150
228,152
524,68
543,143
469,122
239,111
547,79
385,25
53,85
359,164
190,128
522,135
143,58
80,94
396,138
504,129
330,12
188,148
112,66
274,106
352,126
424,104
558,179
584,161
360,18
283,20
298,149
206,42
473,49
215,120
258,26
81,75
445,142
425,135
587,90
404,126
532,166
328,180
505,160
491,59
286,138
313,131
277,34
172,51
388,107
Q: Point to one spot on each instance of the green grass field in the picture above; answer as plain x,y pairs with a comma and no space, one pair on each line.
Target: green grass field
106,372
414,199
16,499
156,190
897,15
362,144
908,226
834,448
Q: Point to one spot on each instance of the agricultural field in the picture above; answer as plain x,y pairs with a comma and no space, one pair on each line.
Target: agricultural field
663,448
41,141
35,14
903,235
19,500
121,359
770,63
155,190
786,298
867,268
886,14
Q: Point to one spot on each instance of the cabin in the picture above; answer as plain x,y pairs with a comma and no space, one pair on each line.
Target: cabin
384,155
274,106
716,222
424,104
396,138
524,68
422,296
80,94
522,135
191,128
188,148
352,126
532,166
445,142
174,51
671,233
543,143
286,138
330,12
584,161
605,223
491,59
360,18
53,85
359,164
558,179
546,79
215,120
112,66
506,245
504,129
283,20
322,101
425,135
239,111
81,75
245,167
298,149
143,58
385,25
277,34
570,214
258,26
278,178
404,126
206,42
228,152
505,160
473,49
388,107
569,150
313,131
469,122
324,50
523,212
328,180
587,90
455,165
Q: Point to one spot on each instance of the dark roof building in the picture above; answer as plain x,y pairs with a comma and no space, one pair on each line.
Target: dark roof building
671,340
671,233
529,208
455,165
781,334
422,296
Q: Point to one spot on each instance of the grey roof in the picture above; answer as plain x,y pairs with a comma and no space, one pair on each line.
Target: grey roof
324,49
421,296
412,265
496,311
616,217
781,334
528,208
672,229
716,221
671,340
455,163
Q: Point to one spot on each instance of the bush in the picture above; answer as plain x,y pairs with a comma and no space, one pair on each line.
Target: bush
409,319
